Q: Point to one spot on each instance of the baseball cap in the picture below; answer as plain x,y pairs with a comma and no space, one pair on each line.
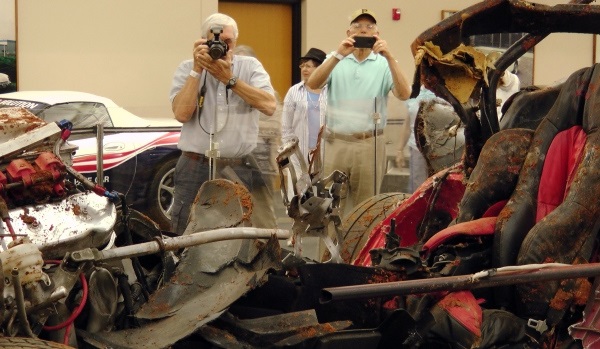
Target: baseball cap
362,12
315,54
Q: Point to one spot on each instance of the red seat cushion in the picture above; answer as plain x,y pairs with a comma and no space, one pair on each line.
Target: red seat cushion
478,227
562,160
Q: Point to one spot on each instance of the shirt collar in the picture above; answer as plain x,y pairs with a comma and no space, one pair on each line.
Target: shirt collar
372,56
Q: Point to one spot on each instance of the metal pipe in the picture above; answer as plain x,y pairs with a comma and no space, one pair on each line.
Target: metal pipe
20,300
179,242
58,294
100,154
455,283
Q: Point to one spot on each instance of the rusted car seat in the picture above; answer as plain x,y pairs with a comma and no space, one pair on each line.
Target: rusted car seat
563,172
552,180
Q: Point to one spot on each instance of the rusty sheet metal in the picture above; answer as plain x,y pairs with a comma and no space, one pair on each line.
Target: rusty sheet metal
193,298
220,203
461,69
16,121
283,330
80,221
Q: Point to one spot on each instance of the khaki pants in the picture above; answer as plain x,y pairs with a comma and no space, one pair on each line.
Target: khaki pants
364,163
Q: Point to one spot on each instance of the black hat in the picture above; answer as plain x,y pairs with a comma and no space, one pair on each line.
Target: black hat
315,54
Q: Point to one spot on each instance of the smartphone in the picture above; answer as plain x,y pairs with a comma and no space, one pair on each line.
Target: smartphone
364,41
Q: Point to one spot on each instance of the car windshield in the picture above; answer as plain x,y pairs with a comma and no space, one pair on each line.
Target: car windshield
34,107
81,114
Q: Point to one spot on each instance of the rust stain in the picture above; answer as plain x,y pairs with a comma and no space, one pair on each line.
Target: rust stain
27,219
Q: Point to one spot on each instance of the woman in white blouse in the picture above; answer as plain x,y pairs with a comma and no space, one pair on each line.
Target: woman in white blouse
304,108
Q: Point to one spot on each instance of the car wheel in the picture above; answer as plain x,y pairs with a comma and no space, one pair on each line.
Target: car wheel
160,198
363,218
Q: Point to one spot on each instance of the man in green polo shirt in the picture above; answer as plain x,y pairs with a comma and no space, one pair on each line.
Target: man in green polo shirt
359,80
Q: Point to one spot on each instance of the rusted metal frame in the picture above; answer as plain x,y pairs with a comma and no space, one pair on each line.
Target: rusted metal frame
521,16
537,20
489,115
456,283
514,52
518,16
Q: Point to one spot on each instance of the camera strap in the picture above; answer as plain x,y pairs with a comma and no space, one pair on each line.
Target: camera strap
201,102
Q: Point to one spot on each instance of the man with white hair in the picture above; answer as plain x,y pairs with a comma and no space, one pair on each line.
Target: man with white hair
217,96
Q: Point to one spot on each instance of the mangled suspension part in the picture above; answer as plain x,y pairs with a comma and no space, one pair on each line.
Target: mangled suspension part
315,205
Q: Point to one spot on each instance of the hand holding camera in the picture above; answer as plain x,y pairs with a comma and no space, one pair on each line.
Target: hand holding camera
213,55
216,48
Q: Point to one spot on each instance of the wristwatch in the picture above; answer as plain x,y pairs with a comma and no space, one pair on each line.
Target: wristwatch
231,82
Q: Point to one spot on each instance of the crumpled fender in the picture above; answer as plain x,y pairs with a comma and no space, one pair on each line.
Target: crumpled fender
208,278
446,187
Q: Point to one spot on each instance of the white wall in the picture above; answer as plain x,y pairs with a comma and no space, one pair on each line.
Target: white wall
124,50
7,20
552,64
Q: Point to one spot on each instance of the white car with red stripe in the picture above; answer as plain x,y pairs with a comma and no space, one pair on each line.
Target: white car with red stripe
139,155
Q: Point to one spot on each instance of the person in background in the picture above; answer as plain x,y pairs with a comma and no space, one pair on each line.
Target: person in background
269,130
219,97
359,80
244,50
304,109
508,85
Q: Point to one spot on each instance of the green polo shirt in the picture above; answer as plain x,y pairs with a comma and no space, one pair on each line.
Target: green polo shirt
355,91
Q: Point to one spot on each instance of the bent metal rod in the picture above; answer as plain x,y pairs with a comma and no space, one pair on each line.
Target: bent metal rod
178,242
512,276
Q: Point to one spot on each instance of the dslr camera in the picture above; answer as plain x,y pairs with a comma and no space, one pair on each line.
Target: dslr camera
217,48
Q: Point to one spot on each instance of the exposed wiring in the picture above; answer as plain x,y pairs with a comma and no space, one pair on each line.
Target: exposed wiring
77,310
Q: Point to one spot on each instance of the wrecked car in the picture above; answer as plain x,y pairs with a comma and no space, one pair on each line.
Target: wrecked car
498,250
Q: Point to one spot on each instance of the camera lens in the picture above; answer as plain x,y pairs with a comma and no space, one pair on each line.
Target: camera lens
216,51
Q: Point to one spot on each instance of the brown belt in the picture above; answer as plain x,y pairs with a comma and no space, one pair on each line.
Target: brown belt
204,158
353,136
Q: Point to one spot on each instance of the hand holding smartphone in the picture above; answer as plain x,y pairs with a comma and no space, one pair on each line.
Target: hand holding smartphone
364,41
